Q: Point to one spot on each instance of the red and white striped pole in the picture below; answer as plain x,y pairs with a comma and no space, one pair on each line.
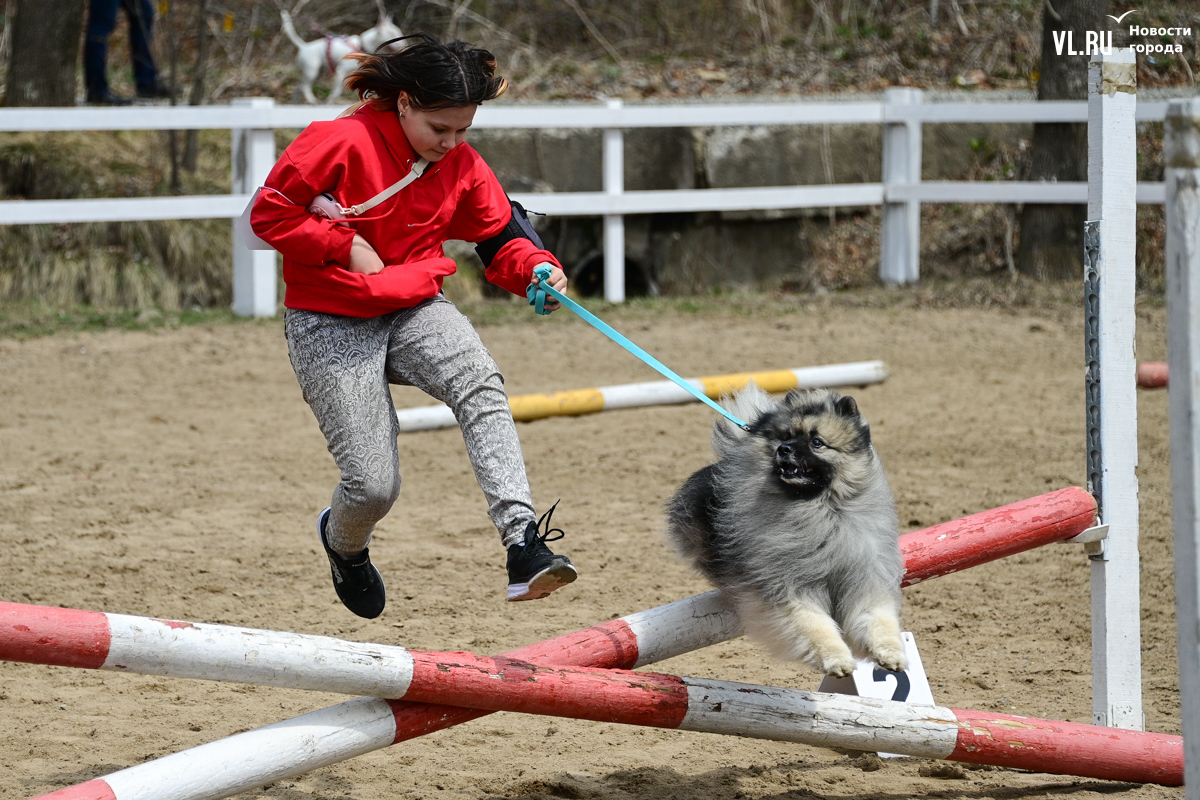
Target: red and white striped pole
292,747
331,735
67,637
794,715
995,534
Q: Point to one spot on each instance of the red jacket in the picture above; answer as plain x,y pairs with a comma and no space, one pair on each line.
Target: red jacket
356,158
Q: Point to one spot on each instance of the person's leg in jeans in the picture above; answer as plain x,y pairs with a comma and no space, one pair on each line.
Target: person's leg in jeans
102,18
141,28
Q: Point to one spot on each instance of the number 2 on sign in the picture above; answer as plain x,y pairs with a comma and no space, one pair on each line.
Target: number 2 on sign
903,685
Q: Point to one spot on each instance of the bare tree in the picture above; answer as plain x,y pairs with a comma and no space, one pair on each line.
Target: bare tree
1051,245
45,53
199,73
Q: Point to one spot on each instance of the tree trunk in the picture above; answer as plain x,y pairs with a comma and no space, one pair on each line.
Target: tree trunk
45,53
416,17
1051,245
198,76
169,24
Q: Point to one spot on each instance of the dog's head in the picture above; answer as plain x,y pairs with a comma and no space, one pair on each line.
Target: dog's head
811,442
384,37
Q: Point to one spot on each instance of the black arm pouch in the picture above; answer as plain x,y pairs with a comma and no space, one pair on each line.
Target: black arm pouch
518,227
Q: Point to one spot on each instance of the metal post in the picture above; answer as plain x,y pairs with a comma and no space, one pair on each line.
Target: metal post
1112,388
900,237
1182,153
254,289
614,224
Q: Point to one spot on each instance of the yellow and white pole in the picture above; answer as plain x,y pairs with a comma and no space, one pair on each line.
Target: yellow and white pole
655,393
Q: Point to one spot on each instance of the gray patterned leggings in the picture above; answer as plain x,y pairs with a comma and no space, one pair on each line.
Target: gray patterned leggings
344,366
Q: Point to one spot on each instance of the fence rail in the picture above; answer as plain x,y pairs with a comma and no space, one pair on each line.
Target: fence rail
902,113
164,118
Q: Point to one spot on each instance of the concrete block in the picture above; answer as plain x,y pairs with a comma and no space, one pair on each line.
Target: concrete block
564,160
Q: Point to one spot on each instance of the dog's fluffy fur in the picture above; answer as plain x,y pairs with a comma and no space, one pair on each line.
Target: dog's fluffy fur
315,58
796,523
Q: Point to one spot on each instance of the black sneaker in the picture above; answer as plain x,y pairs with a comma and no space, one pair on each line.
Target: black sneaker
355,579
157,91
108,99
534,571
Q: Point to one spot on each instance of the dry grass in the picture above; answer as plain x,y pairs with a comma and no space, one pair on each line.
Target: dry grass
167,265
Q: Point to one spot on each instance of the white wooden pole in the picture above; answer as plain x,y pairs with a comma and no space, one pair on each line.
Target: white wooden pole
254,285
1182,153
900,236
614,224
1110,283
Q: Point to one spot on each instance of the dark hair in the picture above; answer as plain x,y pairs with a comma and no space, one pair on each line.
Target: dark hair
435,75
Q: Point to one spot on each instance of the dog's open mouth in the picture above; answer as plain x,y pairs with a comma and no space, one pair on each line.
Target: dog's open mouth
798,473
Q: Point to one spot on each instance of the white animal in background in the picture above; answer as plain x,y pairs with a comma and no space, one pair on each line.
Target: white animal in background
324,56
327,55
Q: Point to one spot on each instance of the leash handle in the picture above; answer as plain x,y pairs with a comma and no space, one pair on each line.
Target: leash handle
537,292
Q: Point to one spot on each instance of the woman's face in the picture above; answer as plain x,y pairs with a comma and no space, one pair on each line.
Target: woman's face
433,134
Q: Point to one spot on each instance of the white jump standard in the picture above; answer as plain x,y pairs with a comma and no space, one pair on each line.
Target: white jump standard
1110,237
1182,156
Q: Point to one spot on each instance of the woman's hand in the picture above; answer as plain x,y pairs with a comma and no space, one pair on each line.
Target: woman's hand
557,281
363,257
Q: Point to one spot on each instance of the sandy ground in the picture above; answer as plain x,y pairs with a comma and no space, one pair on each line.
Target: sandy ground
177,474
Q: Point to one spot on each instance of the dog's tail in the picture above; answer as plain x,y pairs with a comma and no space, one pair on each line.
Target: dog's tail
289,30
748,404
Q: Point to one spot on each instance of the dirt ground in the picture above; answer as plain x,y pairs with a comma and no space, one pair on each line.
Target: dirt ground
177,474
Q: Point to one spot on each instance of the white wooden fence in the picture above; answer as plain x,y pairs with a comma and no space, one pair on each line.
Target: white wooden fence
902,112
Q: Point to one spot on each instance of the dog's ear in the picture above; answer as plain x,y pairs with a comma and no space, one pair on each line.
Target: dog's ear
846,407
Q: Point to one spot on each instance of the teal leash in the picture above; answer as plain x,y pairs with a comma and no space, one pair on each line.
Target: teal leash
537,292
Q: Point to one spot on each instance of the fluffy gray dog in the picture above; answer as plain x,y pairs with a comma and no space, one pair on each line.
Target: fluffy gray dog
796,523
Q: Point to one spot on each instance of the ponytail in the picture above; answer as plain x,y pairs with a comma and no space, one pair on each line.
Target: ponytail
433,74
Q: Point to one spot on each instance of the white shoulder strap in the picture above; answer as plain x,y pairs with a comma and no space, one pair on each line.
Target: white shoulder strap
253,242
417,171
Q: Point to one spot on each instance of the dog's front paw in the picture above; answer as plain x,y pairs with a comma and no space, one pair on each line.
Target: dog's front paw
839,666
890,658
